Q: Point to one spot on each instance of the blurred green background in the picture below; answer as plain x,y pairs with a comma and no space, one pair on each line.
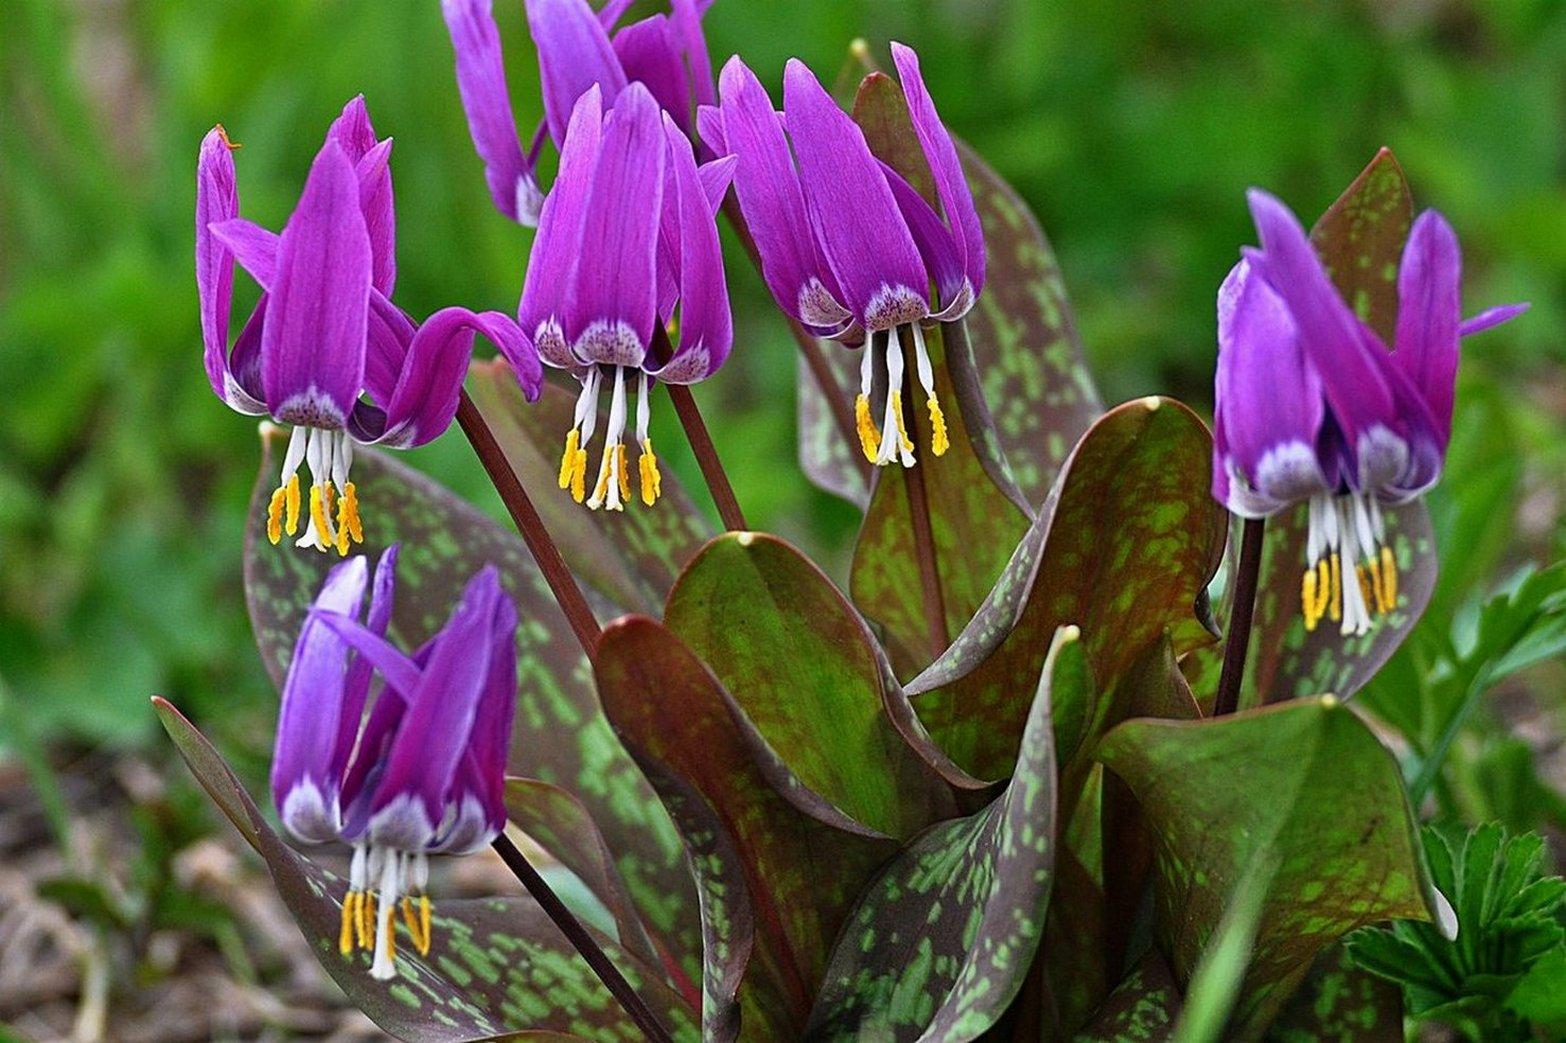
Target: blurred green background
1133,128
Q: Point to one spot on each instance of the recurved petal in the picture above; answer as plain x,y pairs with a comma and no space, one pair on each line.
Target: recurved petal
217,200
304,784
574,53
479,791
1491,318
649,52
1269,402
611,300
558,245
706,323
390,334
863,235
312,349
1429,307
772,200
481,80
254,247
951,184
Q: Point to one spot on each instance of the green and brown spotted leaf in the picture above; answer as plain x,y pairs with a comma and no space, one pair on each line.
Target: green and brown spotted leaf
1125,546
630,557
943,939
560,736
802,664
498,968
1341,1002
1142,1009
1223,795
760,859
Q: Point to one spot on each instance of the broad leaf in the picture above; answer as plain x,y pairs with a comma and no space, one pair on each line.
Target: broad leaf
631,557
1304,784
763,862
498,968
1340,1001
802,664
1124,549
943,939
560,736
1142,1009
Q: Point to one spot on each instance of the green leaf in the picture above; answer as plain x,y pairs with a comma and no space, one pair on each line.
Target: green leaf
1215,983
944,938
560,736
1339,1001
1540,996
1142,1009
802,664
498,966
759,858
633,557
1305,784
1124,549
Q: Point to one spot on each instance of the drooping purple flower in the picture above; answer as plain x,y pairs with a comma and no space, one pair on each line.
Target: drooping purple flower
627,241
325,350
1313,408
577,49
848,247
423,772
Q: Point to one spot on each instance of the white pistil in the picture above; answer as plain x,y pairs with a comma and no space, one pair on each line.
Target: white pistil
606,491
922,361
393,882
295,455
867,366
643,408
892,445
1356,615
587,406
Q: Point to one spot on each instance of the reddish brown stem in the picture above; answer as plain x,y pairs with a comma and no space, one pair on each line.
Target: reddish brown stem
1238,640
707,457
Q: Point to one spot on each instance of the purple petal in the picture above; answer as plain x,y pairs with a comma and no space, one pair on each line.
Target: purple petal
1335,344
1269,402
941,252
353,131
559,240
685,17
709,123
951,184
478,794
773,203
380,214
573,54
1429,306
409,801
304,784
390,334
611,300
244,363
855,217
649,52
706,324
356,688
481,80
312,350
217,200
254,247
716,177
1490,318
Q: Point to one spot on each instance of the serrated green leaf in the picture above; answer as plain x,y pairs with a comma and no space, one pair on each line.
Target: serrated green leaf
1540,996
497,967
1127,543
944,937
560,736
1220,794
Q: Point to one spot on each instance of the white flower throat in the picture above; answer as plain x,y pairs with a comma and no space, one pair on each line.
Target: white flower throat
1347,532
612,488
890,442
333,519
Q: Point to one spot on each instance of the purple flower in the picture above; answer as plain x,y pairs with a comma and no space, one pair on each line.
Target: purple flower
325,350
627,240
847,246
666,53
1313,408
423,772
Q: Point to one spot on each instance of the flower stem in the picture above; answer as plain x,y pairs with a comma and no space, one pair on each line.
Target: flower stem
919,520
1240,612
556,573
583,942
701,442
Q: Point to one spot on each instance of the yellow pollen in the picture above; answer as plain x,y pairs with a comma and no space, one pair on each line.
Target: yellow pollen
568,458
391,937
1373,571
1335,599
652,480
367,920
411,919
1308,598
579,476
939,443
344,539
1388,579
1362,574
345,935
318,511
605,470
621,472
869,434
426,914
351,503
291,524
897,414
274,516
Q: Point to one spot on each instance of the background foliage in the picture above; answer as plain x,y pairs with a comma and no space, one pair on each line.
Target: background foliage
1132,129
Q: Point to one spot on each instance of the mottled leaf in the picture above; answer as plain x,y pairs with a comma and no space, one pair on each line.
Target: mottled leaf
943,939
767,868
1124,547
803,665
498,968
1142,1009
1305,785
631,557
1338,1001
560,736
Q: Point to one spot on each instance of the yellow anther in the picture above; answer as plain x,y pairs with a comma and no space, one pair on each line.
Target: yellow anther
318,510
605,470
869,434
1335,598
345,934
652,480
351,506
568,458
274,516
1308,598
1388,579
331,498
426,915
367,920
622,472
579,476
897,414
291,523
1362,574
391,936
343,536
411,919
1372,569
939,443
